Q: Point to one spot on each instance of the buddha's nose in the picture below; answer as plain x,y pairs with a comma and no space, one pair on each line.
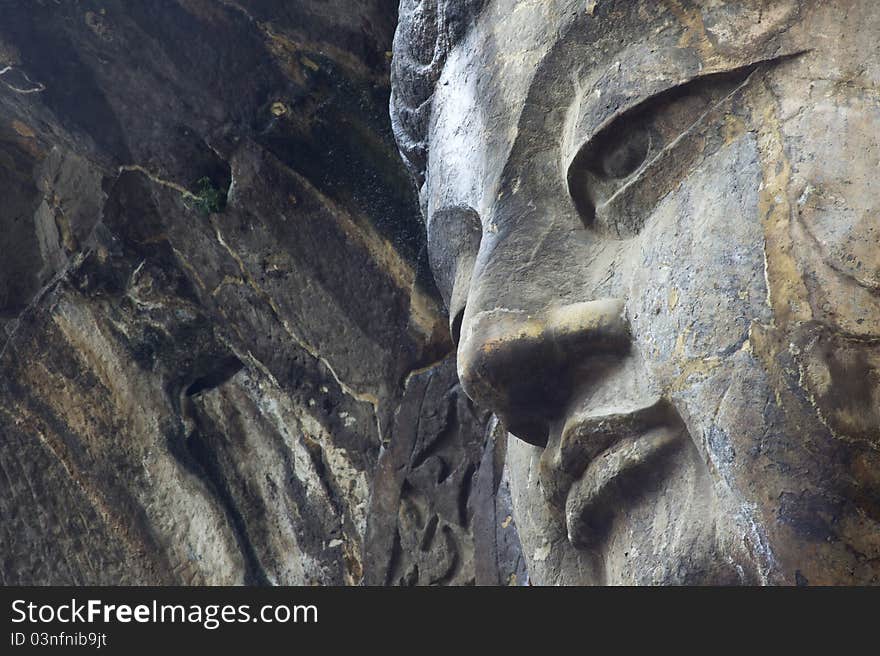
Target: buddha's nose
524,366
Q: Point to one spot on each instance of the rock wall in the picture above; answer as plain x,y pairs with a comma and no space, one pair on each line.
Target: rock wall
223,359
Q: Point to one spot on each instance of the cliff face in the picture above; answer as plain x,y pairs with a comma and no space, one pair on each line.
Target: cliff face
223,359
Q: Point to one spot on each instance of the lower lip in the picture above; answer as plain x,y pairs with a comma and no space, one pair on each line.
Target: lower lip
593,498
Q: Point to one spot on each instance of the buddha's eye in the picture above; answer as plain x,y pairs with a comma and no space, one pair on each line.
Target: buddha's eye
623,171
454,236
622,157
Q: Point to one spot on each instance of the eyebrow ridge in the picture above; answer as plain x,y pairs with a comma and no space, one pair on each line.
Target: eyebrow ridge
637,176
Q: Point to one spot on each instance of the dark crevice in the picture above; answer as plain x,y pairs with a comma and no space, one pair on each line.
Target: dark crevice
424,449
21,265
226,369
316,455
456,326
464,493
455,565
395,559
199,449
430,531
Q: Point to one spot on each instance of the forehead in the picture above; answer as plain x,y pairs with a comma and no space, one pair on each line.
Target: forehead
574,56
477,100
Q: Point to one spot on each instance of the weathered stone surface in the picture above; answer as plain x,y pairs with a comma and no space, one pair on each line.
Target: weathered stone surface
212,296
656,227
440,512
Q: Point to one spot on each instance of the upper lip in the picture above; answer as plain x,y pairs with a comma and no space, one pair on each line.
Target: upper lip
593,449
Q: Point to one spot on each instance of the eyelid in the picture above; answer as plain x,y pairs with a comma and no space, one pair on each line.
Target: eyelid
585,134
621,203
684,134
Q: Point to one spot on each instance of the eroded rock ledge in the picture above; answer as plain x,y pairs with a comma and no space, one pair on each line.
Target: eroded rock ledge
222,358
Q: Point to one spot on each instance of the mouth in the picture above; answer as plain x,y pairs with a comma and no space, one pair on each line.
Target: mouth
603,460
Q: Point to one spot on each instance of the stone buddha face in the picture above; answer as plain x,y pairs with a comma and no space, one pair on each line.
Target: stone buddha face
656,227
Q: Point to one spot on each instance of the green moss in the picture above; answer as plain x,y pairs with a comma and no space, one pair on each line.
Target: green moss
207,198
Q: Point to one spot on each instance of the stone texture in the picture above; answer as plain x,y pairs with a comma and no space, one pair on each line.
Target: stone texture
655,225
441,511
215,309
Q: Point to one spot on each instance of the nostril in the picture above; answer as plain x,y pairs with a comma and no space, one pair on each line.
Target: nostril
524,367
455,327
536,433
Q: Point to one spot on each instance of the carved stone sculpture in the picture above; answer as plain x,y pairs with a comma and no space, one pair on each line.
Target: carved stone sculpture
222,360
655,225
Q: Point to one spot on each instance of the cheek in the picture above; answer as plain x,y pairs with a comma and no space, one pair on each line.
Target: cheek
698,268
837,228
698,284
835,160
